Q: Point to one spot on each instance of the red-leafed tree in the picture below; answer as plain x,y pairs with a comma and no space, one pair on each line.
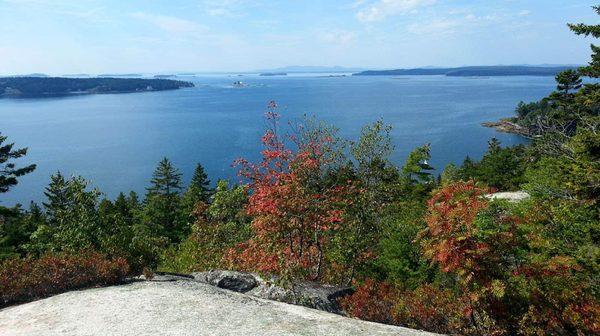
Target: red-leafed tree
506,278
294,212
451,235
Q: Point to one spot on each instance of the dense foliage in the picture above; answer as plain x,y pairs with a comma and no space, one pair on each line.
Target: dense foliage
28,279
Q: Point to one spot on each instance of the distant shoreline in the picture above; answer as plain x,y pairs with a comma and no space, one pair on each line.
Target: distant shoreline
471,71
41,87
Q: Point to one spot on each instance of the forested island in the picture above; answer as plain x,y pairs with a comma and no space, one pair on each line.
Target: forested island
57,86
273,74
471,71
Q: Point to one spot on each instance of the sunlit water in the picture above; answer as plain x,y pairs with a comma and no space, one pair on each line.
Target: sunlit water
116,140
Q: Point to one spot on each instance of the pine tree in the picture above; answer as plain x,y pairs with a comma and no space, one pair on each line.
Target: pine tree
57,196
8,171
166,179
468,169
163,201
494,146
73,219
568,81
417,168
121,205
199,189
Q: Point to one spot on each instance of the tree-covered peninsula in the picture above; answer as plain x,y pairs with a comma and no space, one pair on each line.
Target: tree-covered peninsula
57,86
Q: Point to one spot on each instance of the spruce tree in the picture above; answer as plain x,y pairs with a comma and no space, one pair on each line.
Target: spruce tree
568,81
163,200
417,169
57,198
199,189
8,170
72,216
197,192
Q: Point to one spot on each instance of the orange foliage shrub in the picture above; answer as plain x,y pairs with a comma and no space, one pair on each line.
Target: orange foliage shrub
372,301
441,310
294,215
499,268
451,235
24,280
427,307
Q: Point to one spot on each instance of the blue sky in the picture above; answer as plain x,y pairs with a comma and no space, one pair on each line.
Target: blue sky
94,36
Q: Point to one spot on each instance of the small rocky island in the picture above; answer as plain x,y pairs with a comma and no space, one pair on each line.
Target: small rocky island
33,87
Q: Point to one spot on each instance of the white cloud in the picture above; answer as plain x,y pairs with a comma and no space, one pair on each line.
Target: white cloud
170,24
381,9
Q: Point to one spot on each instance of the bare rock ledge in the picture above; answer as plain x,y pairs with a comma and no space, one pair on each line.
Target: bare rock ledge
177,308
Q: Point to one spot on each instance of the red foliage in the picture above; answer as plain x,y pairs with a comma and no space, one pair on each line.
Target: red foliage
504,280
293,214
24,280
569,311
428,308
373,301
451,235
441,310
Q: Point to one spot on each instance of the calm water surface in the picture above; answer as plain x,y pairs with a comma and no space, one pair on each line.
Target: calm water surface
116,140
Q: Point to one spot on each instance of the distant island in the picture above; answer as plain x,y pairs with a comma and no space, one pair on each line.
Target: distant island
56,86
121,75
312,69
508,70
273,74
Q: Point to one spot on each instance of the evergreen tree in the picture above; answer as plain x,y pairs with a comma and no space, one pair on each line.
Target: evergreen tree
199,189
163,201
417,168
568,81
122,205
73,218
468,169
134,202
57,198
8,171
16,229
593,69
494,146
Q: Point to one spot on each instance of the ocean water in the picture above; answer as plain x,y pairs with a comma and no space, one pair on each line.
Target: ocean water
115,140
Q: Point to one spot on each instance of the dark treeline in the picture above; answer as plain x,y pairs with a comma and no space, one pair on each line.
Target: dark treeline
48,86
422,251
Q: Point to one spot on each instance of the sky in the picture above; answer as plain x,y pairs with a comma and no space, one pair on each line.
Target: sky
162,36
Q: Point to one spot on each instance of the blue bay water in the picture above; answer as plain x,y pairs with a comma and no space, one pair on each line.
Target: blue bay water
116,140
